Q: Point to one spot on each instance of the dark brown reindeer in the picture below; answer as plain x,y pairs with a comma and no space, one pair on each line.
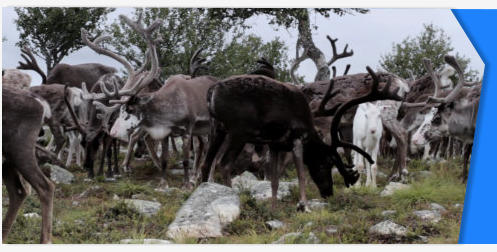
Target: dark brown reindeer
71,75
22,116
260,110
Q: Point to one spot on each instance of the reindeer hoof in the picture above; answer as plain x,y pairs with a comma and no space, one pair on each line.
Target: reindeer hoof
303,207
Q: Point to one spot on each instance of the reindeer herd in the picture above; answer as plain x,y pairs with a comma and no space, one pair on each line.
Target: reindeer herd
317,124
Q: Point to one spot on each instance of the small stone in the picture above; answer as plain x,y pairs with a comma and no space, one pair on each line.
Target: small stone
110,180
309,224
312,239
287,238
388,228
316,204
388,212
331,230
428,215
168,190
115,197
438,207
138,196
381,174
75,203
31,215
147,208
423,238
79,222
145,241
457,205
393,187
275,224
59,175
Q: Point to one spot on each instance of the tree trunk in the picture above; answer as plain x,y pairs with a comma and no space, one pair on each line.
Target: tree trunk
316,55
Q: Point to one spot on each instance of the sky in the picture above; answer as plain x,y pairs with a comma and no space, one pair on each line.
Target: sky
369,35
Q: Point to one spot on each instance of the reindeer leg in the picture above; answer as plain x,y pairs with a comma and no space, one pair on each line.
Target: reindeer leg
187,142
45,189
17,195
467,155
149,143
105,147
274,177
399,171
217,159
234,147
135,136
108,151
163,159
298,158
115,152
175,148
216,139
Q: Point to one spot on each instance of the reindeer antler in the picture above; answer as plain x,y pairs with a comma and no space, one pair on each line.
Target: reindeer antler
336,56
31,63
373,95
197,63
451,60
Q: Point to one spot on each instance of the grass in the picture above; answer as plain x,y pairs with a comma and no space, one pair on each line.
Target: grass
99,218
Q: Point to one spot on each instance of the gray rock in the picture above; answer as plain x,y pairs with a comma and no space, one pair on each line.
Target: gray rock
309,224
316,204
457,205
331,230
428,215
145,241
210,207
115,197
89,191
438,207
75,203
312,239
147,208
287,238
393,187
381,174
388,212
275,224
260,189
423,239
138,196
59,175
168,190
32,215
388,228
421,174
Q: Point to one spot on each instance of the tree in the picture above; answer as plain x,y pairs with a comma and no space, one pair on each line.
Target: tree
53,33
187,29
240,55
433,43
292,18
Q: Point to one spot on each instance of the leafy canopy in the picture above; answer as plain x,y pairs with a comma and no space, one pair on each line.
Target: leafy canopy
432,43
53,33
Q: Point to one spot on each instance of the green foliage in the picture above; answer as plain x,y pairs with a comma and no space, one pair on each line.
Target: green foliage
186,30
432,43
52,33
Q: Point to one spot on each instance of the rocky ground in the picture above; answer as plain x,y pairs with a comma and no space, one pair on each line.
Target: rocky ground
130,210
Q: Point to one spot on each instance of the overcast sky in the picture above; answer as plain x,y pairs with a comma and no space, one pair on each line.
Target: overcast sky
370,36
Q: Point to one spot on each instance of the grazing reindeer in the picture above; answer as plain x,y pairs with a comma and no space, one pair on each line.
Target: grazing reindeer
16,78
22,116
260,110
452,115
367,131
71,75
177,108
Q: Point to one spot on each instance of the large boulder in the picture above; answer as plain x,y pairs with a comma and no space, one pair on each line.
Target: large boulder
59,175
210,207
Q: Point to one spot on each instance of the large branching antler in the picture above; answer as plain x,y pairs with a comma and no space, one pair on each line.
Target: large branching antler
31,63
78,126
337,56
451,60
136,79
297,61
373,95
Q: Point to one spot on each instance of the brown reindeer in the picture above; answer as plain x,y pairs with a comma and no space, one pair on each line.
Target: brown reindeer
260,110
22,116
71,75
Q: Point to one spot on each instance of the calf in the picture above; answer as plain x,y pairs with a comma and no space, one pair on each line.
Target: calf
367,131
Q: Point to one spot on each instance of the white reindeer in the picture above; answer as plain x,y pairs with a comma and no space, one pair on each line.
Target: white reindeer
367,131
